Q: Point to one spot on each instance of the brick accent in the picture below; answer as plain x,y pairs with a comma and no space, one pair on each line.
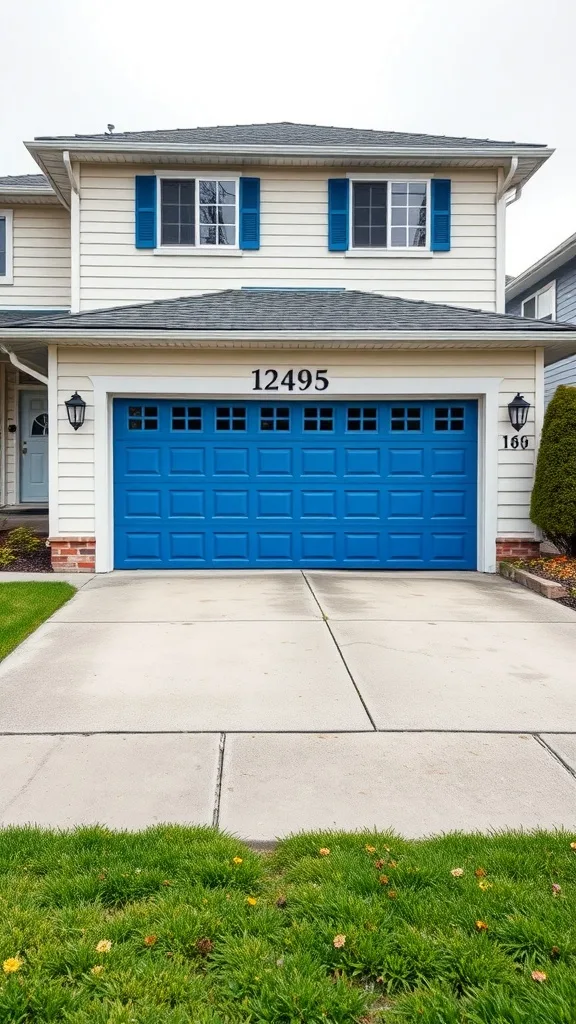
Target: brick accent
516,547
73,554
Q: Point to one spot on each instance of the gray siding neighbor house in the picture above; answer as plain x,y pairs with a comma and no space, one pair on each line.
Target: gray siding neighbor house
547,291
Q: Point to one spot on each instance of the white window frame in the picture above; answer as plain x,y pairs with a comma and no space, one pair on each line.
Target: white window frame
198,247
8,277
551,286
388,248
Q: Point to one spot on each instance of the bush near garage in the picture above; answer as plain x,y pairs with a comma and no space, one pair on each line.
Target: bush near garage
22,550
553,506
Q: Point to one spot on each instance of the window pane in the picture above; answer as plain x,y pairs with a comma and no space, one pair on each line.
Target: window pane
207,235
361,237
208,214
416,215
399,188
361,194
227,192
170,192
398,236
187,234
416,237
226,234
544,304
362,216
170,234
208,192
378,237
417,188
226,214
398,215
177,212
529,308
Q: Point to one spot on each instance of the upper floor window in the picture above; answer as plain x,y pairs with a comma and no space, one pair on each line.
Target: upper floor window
199,211
390,214
5,246
541,305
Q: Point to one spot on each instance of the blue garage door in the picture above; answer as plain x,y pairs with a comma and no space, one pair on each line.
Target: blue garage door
236,484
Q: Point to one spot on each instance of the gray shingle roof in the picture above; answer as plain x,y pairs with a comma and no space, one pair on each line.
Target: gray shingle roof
17,181
293,310
12,317
284,133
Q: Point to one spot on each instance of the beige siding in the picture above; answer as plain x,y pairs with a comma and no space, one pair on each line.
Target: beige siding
76,452
41,237
293,249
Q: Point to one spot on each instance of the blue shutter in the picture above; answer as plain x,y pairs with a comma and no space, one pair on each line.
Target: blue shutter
441,203
145,211
338,213
249,213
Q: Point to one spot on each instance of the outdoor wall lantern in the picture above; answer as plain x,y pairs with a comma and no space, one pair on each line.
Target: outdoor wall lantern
518,411
76,409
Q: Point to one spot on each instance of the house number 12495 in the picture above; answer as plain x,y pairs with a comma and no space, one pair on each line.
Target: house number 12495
292,380
515,441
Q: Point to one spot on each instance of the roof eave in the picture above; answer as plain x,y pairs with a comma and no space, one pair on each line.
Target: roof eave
537,339
531,277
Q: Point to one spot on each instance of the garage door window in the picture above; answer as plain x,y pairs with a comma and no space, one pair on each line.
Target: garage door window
186,417
318,418
274,419
143,417
362,419
230,417
449,418
404,418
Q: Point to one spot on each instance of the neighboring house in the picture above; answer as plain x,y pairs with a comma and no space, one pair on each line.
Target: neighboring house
547,291
286,347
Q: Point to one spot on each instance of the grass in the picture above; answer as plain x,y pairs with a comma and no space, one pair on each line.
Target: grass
24,606
198,929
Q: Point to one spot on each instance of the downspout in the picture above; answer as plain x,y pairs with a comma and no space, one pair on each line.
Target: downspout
30,370
74,234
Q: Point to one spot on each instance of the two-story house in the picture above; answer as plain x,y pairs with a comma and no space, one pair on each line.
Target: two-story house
547,291
286,347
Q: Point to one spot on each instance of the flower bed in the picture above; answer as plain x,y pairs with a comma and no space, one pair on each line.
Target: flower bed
558,568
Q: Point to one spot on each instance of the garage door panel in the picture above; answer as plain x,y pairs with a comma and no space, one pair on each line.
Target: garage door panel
334,485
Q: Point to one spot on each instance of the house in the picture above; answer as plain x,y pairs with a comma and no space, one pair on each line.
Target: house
286,346
547,290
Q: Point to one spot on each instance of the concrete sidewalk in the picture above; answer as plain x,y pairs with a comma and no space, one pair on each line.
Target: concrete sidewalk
272,702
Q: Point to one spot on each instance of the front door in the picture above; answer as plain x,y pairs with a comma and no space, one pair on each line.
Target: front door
34,445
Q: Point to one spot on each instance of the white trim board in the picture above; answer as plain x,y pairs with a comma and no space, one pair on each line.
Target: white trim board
485,389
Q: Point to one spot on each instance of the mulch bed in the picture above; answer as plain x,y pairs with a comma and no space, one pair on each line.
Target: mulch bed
559,568
37,562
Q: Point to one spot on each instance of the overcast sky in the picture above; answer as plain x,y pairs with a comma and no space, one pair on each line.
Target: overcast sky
483,68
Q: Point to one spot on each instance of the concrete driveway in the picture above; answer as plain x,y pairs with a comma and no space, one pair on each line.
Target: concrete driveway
270,702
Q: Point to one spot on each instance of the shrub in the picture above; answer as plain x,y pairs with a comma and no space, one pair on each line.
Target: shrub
553,506
23,541
7,556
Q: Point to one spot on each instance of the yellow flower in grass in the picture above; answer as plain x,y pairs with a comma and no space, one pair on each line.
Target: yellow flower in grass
12,964
370,849
251,901
324,851
104,946
484,886
97,970
237,860
339,941
457,872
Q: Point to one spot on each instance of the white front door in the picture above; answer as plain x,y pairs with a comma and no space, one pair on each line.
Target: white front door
34,445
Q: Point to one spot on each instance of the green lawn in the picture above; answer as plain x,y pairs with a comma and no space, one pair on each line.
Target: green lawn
188,926
24,606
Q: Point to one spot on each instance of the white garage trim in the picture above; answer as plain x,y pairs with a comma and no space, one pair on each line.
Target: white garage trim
485,389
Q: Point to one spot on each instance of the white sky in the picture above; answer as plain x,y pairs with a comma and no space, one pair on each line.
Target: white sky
483,68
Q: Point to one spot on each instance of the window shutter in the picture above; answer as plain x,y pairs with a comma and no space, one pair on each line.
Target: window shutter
145,211
249,213
338,215
441,203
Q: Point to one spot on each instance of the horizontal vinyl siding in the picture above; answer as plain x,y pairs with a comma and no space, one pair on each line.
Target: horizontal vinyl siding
563,372
293,246
76,366
41,258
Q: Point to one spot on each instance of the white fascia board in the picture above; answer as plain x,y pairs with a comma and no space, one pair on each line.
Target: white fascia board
455,338
553,260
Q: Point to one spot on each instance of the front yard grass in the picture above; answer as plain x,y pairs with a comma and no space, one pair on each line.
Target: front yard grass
188,926
24,606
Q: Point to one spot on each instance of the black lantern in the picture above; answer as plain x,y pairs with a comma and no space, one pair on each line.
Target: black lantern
76,409
518,411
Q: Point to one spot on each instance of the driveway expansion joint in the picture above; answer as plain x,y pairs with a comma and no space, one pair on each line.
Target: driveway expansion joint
218,787
553,753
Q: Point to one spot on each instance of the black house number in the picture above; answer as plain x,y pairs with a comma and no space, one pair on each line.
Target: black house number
293,380
515,441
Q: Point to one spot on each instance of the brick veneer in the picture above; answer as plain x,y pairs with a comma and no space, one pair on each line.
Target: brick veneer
73,554
516,547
